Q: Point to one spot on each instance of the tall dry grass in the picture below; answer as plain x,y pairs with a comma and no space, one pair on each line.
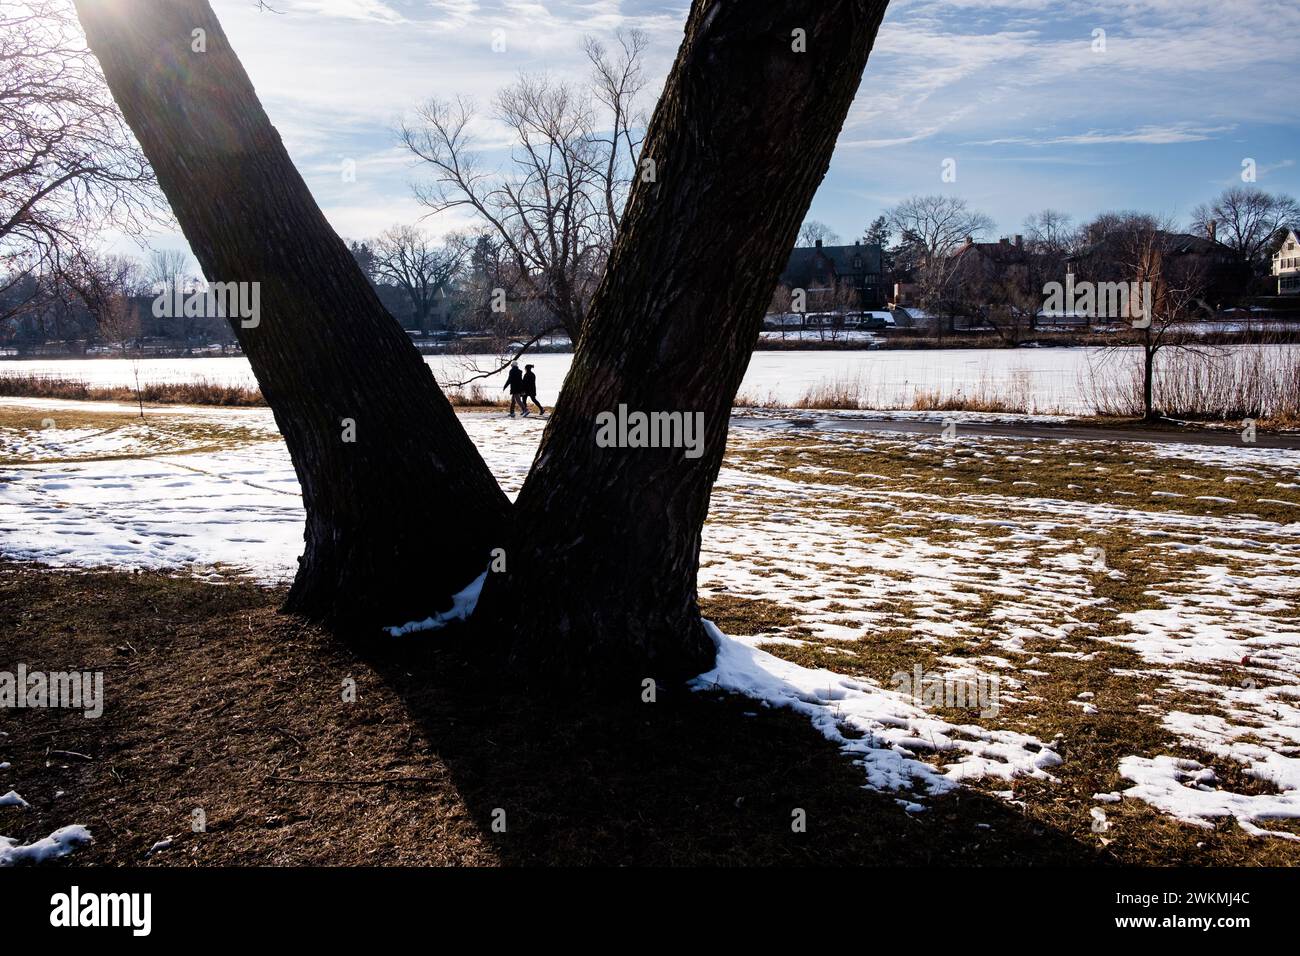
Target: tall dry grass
199,392
473,396
1219,385
1014,395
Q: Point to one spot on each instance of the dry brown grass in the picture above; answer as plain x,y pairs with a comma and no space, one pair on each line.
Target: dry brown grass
199,392
838,395
1207,384
474,397
215,701
935,401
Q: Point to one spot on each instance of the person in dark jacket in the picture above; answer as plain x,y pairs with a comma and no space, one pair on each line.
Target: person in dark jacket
515,382
530,391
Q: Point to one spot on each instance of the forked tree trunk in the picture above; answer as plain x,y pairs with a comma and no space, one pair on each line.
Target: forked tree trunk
404,515
605,542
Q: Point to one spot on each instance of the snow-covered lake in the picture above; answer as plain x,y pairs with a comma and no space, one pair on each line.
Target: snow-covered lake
1039,380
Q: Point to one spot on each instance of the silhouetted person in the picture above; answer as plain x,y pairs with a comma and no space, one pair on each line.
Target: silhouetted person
530,391
515,382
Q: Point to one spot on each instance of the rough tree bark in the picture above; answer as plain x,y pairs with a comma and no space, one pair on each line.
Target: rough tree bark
406,514
605,542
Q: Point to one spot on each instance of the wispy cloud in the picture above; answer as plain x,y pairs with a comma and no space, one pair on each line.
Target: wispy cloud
1152,135
1014,89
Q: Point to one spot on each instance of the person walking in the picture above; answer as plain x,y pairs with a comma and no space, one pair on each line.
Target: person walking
515,382
530,391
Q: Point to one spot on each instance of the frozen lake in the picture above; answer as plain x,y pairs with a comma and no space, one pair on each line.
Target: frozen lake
1040,380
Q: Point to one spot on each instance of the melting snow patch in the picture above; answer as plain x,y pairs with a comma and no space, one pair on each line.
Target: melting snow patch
1185,790
462,606
888,730
58,844
11,799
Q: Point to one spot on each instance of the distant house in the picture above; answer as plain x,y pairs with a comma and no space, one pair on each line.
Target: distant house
1004,256
1286,263
904,290
844,278
986,266
1222,276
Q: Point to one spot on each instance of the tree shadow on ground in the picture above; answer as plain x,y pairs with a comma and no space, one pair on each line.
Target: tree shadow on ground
692,778
215,702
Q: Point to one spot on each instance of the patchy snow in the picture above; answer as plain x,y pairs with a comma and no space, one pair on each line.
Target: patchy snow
849,551
882,730
58,844
12,799
1185,789
82,499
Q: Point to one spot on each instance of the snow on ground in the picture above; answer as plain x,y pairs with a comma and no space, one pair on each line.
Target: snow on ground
79,496
978,552
783,416
462,606
58,844
887,731
1002,572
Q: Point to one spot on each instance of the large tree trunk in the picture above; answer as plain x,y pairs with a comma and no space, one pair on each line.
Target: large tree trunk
605,543
404,515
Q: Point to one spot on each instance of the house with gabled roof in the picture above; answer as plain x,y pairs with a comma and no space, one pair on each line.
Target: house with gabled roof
1286,262
837,277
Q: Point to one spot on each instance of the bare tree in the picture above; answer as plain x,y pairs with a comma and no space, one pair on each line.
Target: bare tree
812,232
69,162
167,273
1006,293
555,211
168,267
932,229
937,225
1051,233
1246,221
667,330
1142,252
406,257
1115,223
106,284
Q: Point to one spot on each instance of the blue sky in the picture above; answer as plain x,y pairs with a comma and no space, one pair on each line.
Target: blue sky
1022,94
